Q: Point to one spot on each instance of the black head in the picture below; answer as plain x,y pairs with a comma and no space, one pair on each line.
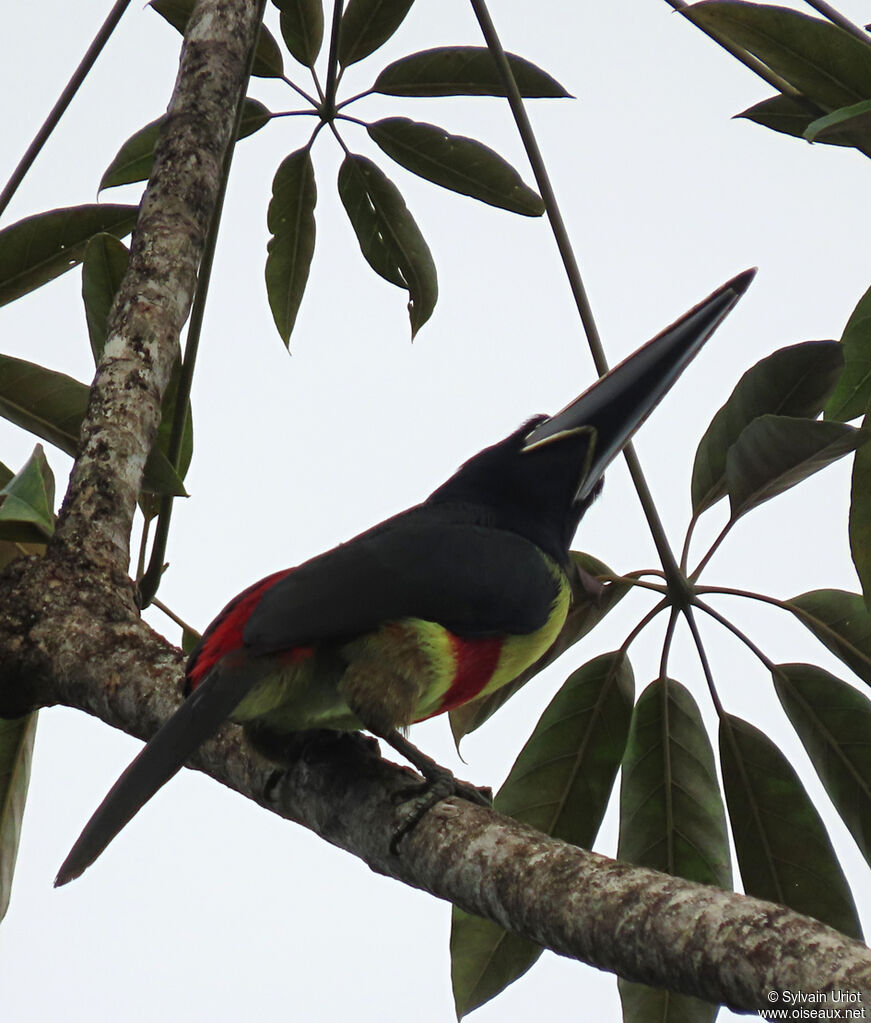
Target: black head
541,479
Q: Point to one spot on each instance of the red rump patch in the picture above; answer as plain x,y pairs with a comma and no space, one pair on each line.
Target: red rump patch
225,633
476,660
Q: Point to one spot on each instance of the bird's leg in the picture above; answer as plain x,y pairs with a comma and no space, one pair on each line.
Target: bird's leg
439,784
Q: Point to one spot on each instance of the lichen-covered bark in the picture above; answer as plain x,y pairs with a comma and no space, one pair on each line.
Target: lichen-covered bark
70,634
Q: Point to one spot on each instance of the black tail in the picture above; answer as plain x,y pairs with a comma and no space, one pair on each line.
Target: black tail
198,718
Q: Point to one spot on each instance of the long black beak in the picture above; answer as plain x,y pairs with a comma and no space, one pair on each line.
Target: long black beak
619,402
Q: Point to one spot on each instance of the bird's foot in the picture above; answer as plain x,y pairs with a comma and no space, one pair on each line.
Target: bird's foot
439,783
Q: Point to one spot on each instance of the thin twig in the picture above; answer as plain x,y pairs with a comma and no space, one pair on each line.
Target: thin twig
64,100
839,19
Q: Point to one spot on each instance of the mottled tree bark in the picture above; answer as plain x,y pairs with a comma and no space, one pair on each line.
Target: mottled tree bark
70,634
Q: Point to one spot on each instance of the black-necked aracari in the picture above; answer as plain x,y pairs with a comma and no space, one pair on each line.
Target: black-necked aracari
437,606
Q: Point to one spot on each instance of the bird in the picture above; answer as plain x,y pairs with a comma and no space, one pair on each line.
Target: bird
434,607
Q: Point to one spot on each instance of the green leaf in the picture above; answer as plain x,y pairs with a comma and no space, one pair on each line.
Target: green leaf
860,517
775,453
368,24
103,267
642,1003
855,118
590,603
463,71
461,164
16,754
833,721
52,406
27,511
40,248
134,159
793,381
302,28
671,810
784,852
852,396
267,56
485,959
291,221
389,238
559,784
816,57
841,622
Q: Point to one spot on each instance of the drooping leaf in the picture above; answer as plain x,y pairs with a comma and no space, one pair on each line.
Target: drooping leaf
841,622
671,810
52,406
641,1003
368,24
302,28
784,853
589,607
16,754
856,119
42,247
833,721
291,221
852,396
559,784
819,59
104,265
134,159
775,453
389,238
267,56
793,381
463,71
27,509
789,115
860,517
461,164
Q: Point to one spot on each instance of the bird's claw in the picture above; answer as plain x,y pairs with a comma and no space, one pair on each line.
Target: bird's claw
426,794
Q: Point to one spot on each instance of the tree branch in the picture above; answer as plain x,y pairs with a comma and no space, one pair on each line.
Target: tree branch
70,634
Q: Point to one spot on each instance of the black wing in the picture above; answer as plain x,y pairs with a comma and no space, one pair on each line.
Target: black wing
473,579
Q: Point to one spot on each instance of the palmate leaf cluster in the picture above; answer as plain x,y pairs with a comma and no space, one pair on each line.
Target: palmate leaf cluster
789,416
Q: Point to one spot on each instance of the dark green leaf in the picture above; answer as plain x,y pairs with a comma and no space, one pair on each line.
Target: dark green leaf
27,511
784,852
793,381
104,264
852,396
52,406
816,57
40,248
841,622
453,161
559,784
671,810
854,119
860,517
6,474
389,238
267,56
833,720
368,24
485,959
590,603
462,71
642,1004
302,27
291,221
775,453
789,115
189,640
134,159
16,753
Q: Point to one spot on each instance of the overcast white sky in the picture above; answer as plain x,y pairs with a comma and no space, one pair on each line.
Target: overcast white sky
208,908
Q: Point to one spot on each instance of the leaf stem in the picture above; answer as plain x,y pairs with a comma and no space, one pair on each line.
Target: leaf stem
180,622
731,627
63,101
300,91
724,532
353,99
642,625
676,579
839,19
333,60
703,658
